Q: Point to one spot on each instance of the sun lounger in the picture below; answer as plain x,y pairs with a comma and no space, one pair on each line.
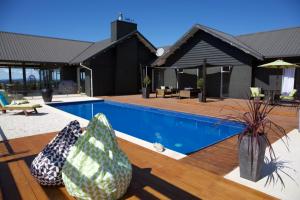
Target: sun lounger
16,105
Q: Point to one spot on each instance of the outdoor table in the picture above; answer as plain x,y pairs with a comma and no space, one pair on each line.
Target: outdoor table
272,95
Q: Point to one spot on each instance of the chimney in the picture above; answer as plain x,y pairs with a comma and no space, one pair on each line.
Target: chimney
120,28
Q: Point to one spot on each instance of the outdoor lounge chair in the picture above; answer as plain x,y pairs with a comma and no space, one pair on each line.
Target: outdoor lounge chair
256,92
22,105
163,91
290,96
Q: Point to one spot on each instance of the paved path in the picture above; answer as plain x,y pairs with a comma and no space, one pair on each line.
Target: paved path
15,124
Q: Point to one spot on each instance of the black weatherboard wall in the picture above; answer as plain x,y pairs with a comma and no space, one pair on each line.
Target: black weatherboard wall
217,53
116,71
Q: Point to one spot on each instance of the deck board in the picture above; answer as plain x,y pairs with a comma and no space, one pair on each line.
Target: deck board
154,176
220,158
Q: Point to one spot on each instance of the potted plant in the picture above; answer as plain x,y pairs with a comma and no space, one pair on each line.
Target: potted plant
253,139
200,83
146,89
47,93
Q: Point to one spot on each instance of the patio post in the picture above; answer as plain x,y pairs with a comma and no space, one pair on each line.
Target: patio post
152,77
78,80
24,79
204,81
176,74
9,74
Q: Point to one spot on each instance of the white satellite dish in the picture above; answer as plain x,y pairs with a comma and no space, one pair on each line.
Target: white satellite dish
160,52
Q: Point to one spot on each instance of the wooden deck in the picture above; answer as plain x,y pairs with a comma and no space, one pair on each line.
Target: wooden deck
220,158
154,176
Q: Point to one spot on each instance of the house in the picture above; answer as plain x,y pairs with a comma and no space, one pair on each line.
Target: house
108,67
231,61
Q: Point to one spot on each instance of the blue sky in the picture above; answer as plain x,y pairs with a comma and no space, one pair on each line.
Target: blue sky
161,21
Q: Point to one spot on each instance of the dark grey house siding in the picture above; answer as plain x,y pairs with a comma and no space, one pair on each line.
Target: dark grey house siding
240,81
127,69
217,53
103,73
204,46
116,71
68,73
169,78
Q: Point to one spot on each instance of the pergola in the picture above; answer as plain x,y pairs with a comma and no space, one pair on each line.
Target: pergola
177,69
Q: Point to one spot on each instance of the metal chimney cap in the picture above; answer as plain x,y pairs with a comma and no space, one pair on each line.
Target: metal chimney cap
120,17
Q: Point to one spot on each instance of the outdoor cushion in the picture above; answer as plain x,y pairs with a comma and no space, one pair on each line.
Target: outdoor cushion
25,106
255,92
290,96
3,100
96,168
47,166
293,93
19,102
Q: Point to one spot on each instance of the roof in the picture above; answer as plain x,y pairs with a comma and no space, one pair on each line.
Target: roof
231,40
274,44
30,48
91,50
98,47
221,35
270,44
23,47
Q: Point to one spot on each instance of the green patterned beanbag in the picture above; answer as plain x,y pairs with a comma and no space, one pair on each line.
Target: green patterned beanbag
96,168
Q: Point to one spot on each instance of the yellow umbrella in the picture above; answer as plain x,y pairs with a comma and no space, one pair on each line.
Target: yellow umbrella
278,64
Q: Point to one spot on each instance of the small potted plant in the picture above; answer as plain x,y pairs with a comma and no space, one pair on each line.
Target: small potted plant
47,92
253,139
146,89
200,83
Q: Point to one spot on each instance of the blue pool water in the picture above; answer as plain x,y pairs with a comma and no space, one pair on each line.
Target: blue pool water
184,133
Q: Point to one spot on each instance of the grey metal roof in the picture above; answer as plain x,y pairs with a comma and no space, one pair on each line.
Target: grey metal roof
22,47
274,44
91,50
30,48
98,47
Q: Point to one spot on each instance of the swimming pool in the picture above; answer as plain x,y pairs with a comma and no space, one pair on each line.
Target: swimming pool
180,132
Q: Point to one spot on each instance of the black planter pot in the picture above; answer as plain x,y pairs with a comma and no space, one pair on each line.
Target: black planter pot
251,163
47,94
145,93
200,96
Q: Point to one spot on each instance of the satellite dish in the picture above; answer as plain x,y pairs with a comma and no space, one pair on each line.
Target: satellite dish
160,52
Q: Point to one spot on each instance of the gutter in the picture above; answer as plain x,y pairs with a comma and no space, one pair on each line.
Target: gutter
85,67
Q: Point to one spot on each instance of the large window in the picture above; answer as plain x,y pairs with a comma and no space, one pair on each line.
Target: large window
4,77
17,78
32,78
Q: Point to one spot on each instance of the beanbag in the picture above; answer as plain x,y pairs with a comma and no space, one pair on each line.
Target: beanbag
47,166
96,168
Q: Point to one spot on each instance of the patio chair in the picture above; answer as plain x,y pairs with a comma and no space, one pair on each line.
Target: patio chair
163,91
256,92
290,96
23,105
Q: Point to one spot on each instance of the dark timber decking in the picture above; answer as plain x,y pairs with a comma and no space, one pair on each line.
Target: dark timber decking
220,158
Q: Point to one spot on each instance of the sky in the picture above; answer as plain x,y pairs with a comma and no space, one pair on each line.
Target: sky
162,22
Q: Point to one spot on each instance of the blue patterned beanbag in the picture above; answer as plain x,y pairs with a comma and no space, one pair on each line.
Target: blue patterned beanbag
47,166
